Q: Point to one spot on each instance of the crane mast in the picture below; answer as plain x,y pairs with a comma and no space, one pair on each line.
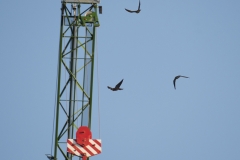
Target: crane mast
79,20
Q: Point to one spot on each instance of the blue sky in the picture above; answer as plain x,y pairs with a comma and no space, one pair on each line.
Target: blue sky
149,119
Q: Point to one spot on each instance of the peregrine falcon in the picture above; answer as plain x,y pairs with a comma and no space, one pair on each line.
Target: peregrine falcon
174,81
137,11
117,87
50,157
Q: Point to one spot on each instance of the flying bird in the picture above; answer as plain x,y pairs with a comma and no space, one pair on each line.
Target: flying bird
174,81
117,87
137,11
50,157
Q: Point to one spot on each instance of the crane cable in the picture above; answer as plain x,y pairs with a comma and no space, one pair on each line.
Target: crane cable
55,102
54,111
98,85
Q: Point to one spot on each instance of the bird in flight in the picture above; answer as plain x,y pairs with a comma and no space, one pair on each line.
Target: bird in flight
50,157
117,87
174,81
137,11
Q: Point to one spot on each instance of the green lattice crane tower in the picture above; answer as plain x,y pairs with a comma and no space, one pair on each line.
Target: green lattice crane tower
79,19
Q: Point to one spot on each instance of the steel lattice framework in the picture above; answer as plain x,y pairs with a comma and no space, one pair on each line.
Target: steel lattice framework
79,20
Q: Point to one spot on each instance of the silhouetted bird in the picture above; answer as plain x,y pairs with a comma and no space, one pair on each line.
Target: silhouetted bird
174,81
137,11
117,87
50,157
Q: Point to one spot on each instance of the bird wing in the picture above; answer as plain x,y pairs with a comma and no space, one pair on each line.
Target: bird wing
139,5
184,76
109,87
119,84
129,10
174,82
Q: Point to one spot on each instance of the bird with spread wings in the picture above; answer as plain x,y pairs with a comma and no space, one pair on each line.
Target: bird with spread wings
117,87
174,81
137,11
